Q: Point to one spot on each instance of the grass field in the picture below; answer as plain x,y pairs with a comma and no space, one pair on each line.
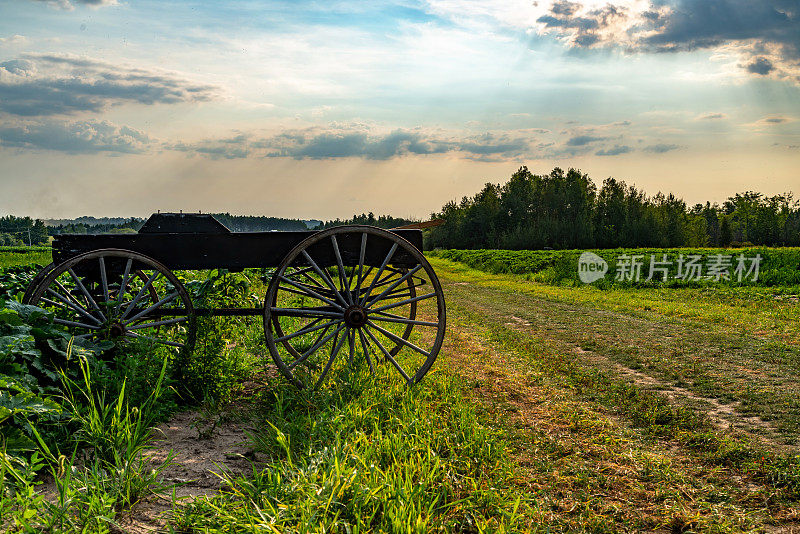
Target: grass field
12,256
551,408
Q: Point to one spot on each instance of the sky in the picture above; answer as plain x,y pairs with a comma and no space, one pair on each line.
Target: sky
312,109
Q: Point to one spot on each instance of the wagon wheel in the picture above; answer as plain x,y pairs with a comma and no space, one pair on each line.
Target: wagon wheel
113,294
301,275
354,299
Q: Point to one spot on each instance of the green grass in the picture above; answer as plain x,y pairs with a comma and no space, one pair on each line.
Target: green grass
12,256
529,421
734,346
362,458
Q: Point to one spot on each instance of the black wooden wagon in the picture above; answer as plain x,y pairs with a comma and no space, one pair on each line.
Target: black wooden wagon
349,299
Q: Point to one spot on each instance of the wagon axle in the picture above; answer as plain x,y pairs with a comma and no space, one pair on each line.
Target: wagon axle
355,316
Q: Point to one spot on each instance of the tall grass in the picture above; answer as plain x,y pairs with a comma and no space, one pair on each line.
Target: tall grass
361,458
106,471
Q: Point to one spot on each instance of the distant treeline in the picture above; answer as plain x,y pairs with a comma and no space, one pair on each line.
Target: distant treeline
18,231
22,231
565,210
89,225
251,223
382,221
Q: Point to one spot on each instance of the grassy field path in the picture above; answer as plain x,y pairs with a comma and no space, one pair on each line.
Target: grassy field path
743,378
630,419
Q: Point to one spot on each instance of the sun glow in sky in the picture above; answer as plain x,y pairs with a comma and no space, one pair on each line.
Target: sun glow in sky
325,109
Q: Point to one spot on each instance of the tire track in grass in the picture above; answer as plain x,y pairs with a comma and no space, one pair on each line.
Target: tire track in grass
743,384
586,465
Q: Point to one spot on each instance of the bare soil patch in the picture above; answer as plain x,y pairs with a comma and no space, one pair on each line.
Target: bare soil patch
197,461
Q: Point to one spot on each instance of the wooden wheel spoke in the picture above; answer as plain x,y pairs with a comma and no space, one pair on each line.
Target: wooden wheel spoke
396,283
304,272
403,320
303,357
388,356
123,286
305,312
361,255
342,276
104,279
310,292
86,293
155,339
334,353
326,278
351,338
364,343
169,298
313,327
75,324
158,323
71,305
398,339
150,279
378,274
403,302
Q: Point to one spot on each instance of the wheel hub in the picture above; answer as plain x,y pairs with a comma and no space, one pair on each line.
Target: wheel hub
117,330
355,316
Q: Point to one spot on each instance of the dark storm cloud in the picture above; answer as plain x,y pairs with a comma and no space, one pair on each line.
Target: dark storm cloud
80,137
760,65
46,85
766,32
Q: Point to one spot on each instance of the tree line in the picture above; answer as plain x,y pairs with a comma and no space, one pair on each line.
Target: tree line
382,221
22,231
565,210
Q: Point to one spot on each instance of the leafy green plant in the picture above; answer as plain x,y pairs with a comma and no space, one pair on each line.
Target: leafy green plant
32,351
780,267
220,362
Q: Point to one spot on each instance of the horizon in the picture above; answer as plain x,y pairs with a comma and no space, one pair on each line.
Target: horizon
300,110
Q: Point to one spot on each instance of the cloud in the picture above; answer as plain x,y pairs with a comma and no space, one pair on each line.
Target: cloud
768,124
760,65
763,33
79,137
711,116
582,140
49,84
15,39
616,150
360,142
66,5
661,148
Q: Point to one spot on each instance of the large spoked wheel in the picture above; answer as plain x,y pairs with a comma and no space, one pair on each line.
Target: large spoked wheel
354,301
120,296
